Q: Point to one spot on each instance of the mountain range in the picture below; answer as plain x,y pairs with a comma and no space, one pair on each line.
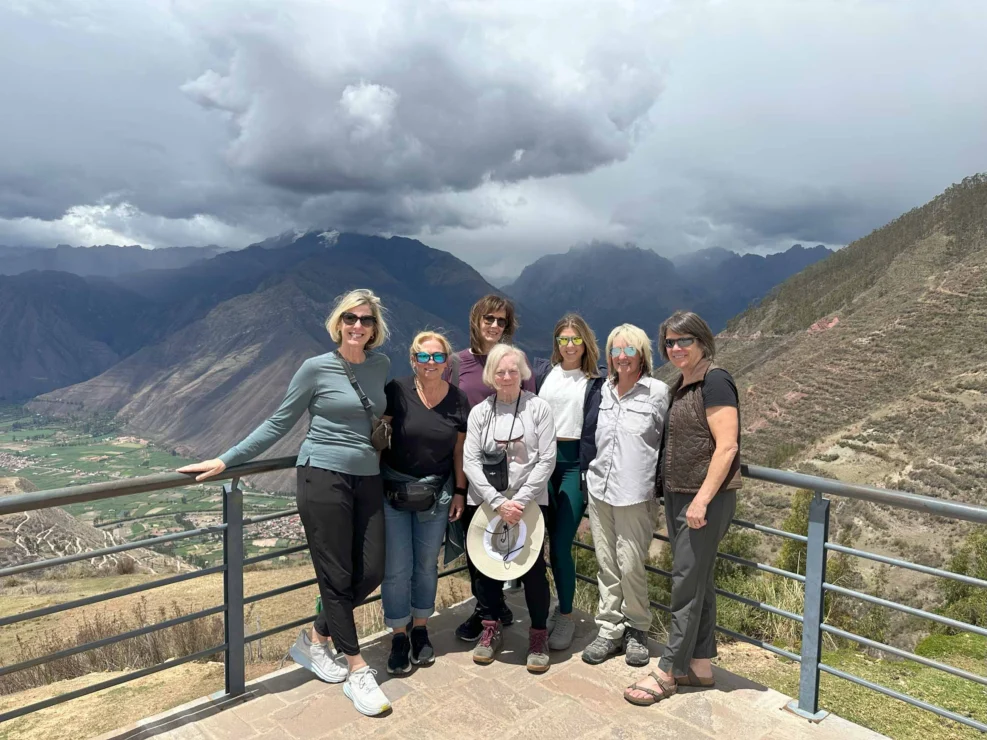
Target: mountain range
611,285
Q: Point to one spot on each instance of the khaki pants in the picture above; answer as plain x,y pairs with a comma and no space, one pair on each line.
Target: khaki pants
622,536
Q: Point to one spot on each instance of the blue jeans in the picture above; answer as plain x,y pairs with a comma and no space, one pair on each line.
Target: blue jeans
411,567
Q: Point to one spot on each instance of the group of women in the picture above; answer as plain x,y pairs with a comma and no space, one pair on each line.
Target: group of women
386,466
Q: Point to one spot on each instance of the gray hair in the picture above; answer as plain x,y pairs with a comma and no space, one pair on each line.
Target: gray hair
497,354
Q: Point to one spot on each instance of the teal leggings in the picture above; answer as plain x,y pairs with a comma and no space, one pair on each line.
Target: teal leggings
565,512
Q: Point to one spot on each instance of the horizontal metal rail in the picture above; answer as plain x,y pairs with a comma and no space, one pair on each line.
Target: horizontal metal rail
135,545
927,570
268,517
111,489
760,605
873,644
759,643
89,600
761,566
899,499
770,530
146,630
275,554
903,697
278,591
280,628
955,624
61,698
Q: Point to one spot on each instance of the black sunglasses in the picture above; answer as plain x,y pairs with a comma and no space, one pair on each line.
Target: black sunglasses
491,320
350,319
683,342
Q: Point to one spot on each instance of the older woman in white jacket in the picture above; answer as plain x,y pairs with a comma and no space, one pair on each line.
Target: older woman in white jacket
521,424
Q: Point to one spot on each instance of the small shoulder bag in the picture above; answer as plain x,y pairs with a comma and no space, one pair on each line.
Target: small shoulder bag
494,464
380,430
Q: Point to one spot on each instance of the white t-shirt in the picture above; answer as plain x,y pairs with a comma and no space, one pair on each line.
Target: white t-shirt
565,391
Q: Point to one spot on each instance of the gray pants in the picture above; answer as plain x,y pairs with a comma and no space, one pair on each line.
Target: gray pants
693,596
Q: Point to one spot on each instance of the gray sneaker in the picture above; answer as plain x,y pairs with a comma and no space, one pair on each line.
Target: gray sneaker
636,647
491,640
600,649
561,636
553,618
538,660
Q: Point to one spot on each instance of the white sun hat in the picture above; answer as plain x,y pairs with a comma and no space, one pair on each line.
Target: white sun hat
501,551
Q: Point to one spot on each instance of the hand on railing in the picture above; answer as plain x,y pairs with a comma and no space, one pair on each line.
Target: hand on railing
207,468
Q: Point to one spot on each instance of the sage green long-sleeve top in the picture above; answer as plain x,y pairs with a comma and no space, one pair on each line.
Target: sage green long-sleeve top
339,430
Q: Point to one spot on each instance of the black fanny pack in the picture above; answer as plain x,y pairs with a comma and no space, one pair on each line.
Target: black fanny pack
414,496
494,464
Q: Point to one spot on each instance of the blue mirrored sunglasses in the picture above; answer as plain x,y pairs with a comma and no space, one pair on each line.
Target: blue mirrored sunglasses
424,357
629,351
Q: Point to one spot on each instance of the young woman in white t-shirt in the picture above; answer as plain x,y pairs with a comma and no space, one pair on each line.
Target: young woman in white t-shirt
570,382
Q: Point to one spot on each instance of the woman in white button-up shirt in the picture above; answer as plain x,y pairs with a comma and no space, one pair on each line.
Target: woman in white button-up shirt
621,486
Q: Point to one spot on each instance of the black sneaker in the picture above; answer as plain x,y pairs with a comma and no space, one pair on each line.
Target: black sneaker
471,629
397,662
422,652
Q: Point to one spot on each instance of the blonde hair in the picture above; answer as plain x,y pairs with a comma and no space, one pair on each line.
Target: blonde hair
591,357
351,300
636,338
425,336
497,354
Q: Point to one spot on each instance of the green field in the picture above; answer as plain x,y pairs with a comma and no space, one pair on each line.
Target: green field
53,453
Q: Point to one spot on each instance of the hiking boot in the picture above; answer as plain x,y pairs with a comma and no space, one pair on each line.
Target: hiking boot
602,648
553,618
470,630
422,652
319,658
565,630
636,647
398,662
361,688
538,659
490,642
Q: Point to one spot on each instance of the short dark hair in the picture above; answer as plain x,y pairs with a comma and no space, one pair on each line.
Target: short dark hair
484,307
687,322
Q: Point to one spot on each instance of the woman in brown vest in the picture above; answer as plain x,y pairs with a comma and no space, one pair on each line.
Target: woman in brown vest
700,474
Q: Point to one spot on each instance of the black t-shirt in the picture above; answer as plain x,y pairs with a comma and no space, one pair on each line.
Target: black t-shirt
423,440
719,389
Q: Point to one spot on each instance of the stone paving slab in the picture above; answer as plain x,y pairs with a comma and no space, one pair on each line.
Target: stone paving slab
456,699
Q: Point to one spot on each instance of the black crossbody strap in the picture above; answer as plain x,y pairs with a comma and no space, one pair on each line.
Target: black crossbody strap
493,411
367,406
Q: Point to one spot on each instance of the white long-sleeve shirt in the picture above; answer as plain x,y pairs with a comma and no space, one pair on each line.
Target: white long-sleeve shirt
628,441
530,454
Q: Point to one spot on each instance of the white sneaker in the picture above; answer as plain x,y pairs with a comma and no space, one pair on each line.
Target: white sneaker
561,637
319,658
361,688
553,618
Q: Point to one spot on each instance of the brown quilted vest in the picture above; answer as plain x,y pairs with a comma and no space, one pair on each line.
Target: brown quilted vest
689,443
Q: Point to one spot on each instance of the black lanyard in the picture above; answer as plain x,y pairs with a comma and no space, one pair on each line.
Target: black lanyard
493,412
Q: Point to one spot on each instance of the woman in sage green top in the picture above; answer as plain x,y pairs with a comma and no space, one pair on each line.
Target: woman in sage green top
339,493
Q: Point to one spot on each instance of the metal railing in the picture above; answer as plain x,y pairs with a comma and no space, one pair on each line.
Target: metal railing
814,582
232,608
818,546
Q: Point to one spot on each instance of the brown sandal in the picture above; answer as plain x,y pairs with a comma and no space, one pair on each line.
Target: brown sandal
691,679
667,690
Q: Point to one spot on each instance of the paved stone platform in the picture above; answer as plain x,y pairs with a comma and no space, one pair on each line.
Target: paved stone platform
455,699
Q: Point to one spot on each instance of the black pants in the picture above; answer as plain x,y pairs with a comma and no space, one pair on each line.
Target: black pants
343,517
489,592
691,634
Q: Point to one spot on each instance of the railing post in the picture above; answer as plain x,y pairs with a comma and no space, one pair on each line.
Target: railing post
807,704
233,587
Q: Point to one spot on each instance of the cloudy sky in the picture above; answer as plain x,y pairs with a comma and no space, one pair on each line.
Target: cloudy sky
499,131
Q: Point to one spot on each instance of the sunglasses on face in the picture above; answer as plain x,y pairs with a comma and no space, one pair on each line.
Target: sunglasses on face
563,341
350,319
424,357
629,351
490,320
683,342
